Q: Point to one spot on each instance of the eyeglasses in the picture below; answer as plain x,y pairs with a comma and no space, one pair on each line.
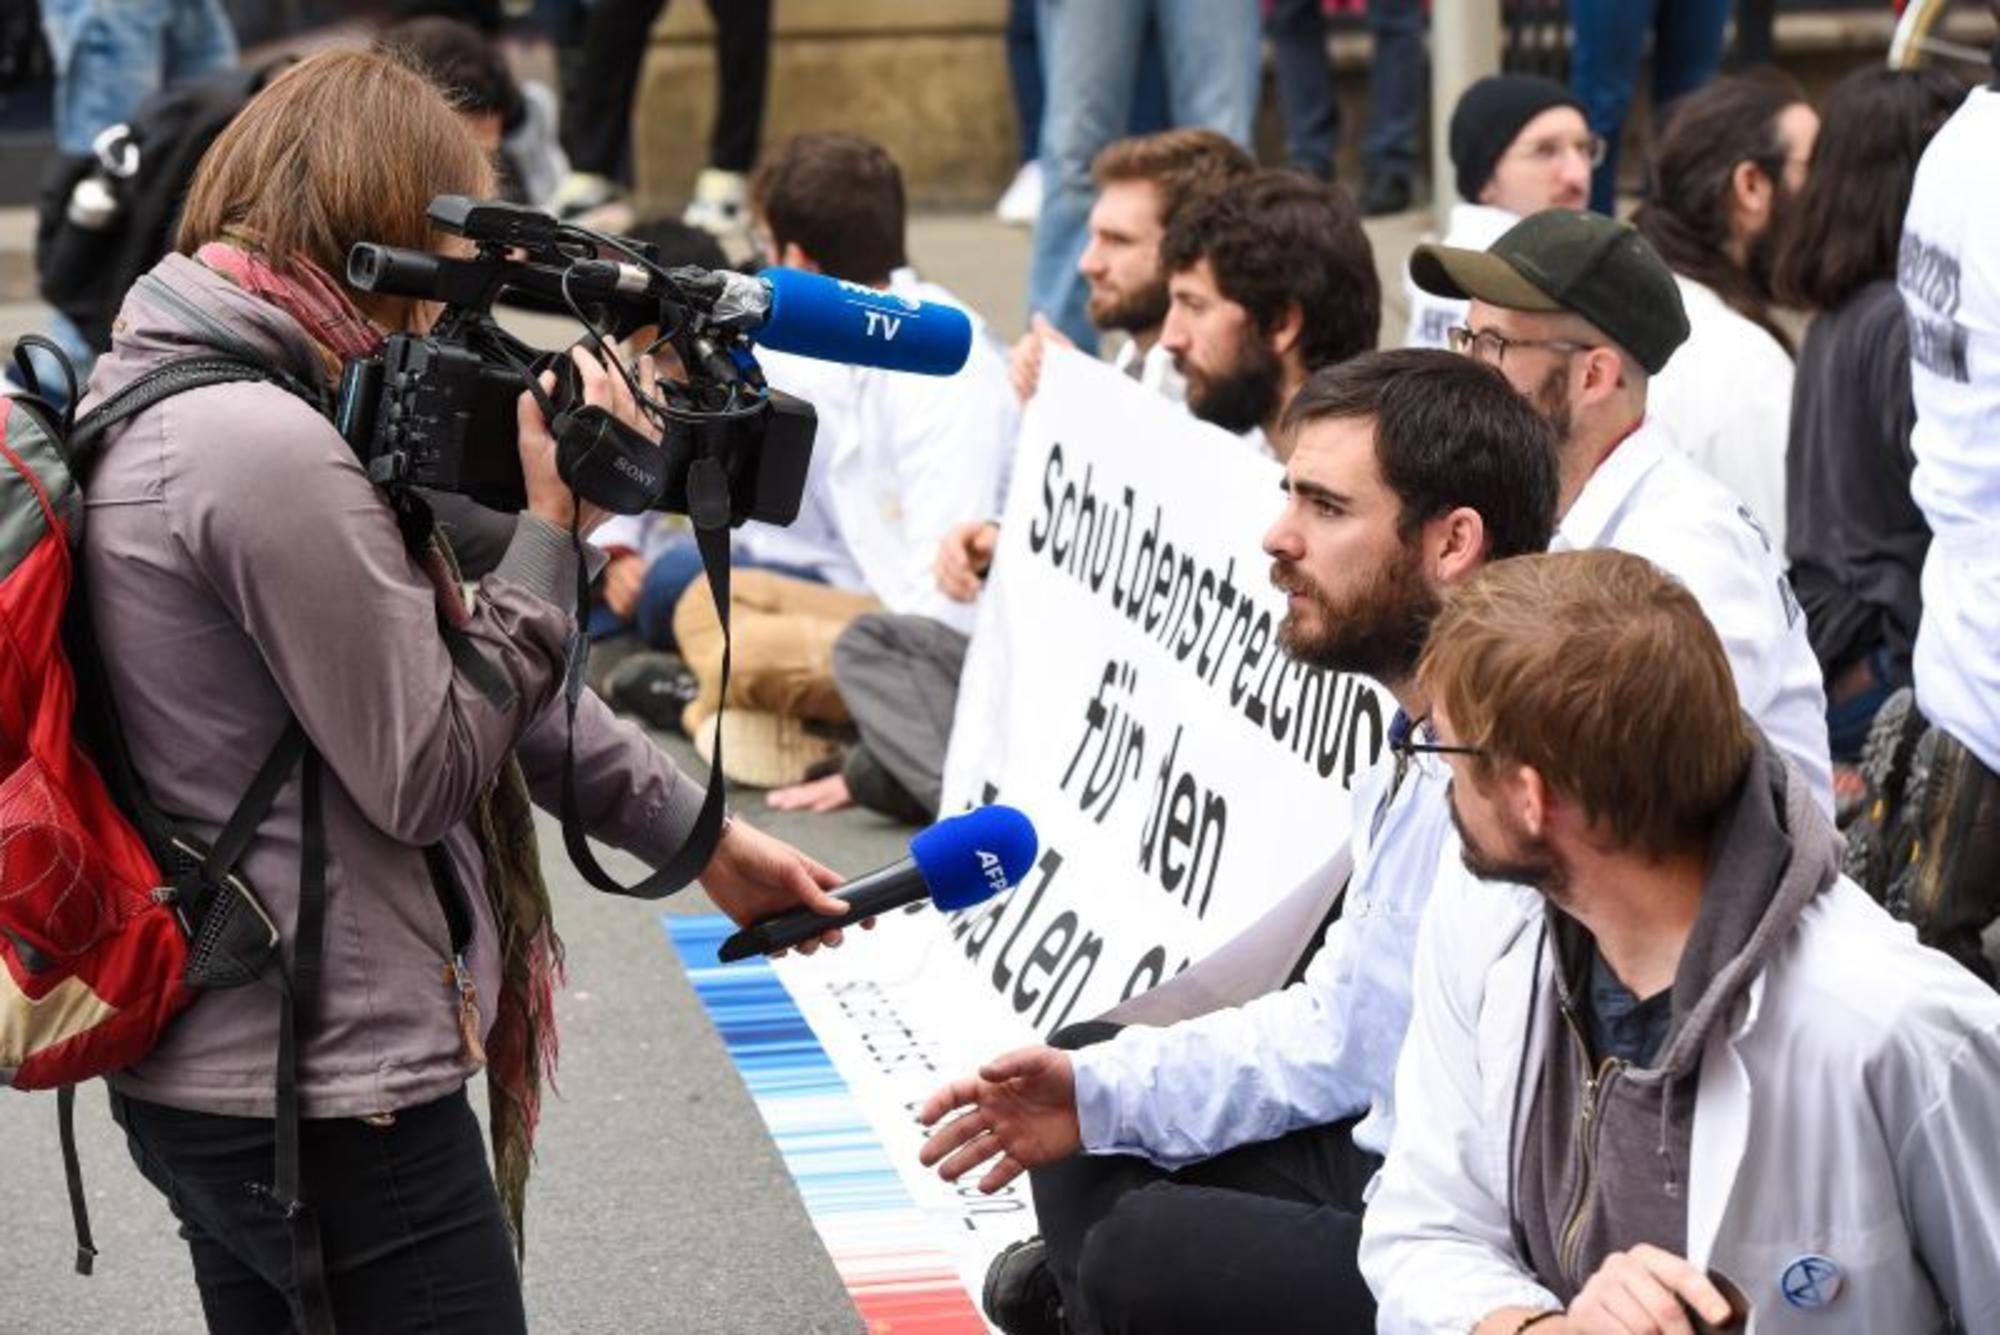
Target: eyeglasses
1423,754
1543,152
1486,345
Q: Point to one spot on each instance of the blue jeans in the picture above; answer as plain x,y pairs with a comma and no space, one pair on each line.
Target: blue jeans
1611,42
111,55
1091,67
1024,76
1396,86
669,576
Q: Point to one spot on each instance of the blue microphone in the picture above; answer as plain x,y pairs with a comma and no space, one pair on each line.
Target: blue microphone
956,863
832,320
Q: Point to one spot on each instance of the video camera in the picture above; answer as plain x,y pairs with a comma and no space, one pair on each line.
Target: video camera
437,410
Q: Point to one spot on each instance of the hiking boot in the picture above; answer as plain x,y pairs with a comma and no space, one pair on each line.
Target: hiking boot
1020,1295
763,750
1881,834
584,192
651,686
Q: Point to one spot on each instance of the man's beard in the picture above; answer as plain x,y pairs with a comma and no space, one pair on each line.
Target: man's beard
1551,400
1243,396
1130,312
1379,632
1532,863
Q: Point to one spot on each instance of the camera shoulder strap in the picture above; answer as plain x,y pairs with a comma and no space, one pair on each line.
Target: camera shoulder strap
708,507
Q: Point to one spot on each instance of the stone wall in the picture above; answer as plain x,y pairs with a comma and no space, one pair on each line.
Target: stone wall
927,78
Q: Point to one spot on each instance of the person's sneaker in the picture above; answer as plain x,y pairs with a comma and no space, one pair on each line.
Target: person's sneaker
1385,194
651,686
1022,202
1020,1295
584,192
720,205
763,750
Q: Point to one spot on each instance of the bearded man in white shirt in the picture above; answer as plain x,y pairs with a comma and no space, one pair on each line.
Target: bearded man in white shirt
1579,312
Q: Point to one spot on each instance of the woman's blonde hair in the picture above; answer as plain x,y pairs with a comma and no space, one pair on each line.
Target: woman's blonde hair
346,146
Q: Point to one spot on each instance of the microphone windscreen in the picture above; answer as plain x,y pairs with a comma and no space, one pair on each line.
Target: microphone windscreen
970,858
835,321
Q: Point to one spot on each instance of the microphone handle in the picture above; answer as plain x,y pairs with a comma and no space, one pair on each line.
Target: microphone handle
868,896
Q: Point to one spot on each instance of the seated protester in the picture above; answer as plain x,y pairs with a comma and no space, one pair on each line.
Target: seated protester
1579,312
1142,184
1692,1059
1855,537
1725,177
898,460
513,121
1209,1175
1271,279
1519,144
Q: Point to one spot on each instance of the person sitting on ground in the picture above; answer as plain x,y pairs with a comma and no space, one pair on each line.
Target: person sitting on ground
1208,1175
898,460
1855,537
1142,185
1582,315
1726,176
1691,1069
1519,144
1271,278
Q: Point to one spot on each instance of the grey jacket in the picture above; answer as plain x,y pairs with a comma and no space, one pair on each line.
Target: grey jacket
240,568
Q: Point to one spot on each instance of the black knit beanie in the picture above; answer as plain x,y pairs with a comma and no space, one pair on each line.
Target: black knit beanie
1487,118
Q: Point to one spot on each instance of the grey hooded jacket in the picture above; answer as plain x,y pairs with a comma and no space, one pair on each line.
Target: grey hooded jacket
240,569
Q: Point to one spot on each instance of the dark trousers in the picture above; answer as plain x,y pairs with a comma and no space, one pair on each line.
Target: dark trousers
1396,88
1263,1237
597,100
414,1240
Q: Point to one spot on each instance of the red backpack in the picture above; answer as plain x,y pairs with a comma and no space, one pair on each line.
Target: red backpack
112,919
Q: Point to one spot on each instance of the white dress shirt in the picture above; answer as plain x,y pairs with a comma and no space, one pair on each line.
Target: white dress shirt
1318,1051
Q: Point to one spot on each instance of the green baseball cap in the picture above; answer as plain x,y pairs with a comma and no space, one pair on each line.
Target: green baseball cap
1563,260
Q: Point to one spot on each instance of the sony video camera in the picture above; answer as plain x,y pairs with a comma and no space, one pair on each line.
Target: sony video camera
437,410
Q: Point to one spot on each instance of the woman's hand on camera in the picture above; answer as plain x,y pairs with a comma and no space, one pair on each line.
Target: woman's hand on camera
549,497
754,875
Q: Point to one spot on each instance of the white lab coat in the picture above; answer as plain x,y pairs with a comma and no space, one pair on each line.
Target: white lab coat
1848,1107
1726,395
1647,498
1950,279
898,460
1156,371
1471,227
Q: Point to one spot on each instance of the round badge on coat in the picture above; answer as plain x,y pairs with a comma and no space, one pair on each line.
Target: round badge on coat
1810,1283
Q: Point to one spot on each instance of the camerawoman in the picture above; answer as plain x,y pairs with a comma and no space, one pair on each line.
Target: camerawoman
241,572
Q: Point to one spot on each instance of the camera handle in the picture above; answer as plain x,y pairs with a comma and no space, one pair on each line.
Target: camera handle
708,507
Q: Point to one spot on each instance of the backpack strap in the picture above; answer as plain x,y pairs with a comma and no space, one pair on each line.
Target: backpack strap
86,436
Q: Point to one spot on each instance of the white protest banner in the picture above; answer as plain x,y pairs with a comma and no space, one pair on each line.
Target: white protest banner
1125,688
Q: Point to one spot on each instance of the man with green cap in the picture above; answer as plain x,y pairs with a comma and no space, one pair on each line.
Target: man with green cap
1578,311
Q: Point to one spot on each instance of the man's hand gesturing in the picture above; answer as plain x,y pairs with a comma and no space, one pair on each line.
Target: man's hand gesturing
1021,1107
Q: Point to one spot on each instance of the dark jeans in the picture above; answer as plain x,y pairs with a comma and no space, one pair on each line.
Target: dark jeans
599,86
1611,43
1396,86
1263,1237
413,1235
677,567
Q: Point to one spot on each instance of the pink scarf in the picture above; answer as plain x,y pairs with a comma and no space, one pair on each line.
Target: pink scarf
306,293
